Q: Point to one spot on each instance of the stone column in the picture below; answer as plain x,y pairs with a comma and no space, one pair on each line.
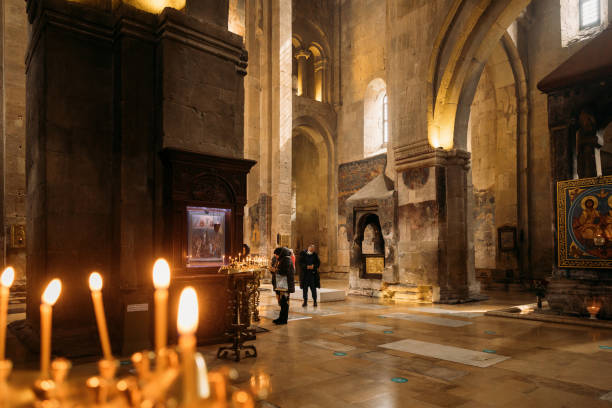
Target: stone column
281,118
302,79
320,70
433,204
106,90
69,158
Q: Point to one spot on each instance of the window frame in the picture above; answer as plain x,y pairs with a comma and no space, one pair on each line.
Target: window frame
385,119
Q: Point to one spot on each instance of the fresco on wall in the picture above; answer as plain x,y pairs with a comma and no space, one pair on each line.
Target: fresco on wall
484,228
584,218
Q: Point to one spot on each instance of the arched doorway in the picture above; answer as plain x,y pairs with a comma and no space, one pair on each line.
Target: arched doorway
313,209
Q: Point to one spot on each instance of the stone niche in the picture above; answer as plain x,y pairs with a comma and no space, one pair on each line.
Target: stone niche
107,89
371,215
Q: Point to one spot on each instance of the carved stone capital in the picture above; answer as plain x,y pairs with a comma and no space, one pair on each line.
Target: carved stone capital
302,54
422,154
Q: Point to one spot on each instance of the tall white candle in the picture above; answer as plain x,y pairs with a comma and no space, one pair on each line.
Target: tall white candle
161,281
6,281
187,324
95,285
49,297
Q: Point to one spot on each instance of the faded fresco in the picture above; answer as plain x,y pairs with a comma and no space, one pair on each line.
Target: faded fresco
584,216
484,229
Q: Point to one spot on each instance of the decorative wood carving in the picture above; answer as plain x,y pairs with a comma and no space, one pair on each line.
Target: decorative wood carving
194,179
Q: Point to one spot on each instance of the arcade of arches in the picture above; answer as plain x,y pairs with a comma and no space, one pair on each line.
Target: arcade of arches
416,143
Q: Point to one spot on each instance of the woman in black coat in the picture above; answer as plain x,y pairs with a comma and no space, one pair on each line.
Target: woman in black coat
284,268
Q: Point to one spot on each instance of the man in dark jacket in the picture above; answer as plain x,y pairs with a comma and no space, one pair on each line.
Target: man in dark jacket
309,274
284,268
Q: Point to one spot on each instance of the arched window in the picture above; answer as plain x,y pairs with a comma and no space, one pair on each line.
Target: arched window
582,20
376,118
589,13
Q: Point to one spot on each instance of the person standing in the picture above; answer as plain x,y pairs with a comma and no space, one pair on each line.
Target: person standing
283,282
309,274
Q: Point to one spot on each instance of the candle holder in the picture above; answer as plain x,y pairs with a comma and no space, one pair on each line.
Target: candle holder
60,367
594,306
593,310
102,388
6,367
44,390
157,388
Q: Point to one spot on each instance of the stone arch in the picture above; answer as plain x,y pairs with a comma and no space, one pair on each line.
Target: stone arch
319,135
317,68
315,47
461,49
373,142
509,82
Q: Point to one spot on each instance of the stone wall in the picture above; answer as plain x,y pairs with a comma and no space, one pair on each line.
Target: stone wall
354,175
483,141
13,49
363,59
308,195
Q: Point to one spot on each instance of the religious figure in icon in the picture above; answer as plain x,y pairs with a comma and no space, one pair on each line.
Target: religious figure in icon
206,234
586,226
607,221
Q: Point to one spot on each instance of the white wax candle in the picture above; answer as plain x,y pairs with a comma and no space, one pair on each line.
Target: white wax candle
95,285
6,281
49,297
161,281
187,324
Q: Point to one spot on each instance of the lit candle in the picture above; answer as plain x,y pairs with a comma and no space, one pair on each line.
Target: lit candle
95,285
187,324
161,281
242,399
49,297
6,281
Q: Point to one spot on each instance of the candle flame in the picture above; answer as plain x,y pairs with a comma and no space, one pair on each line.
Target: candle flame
161,274
187,321
95,281
7,277
54,288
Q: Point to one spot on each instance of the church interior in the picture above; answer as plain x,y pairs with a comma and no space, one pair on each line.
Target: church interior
450,162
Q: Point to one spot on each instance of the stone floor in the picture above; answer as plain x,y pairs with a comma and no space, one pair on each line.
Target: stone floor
347,354
336,358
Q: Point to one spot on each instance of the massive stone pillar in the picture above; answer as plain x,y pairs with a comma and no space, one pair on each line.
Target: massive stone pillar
433,204
109,87
268,118
281,120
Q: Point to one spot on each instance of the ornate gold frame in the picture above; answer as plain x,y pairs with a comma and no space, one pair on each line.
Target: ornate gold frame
562,227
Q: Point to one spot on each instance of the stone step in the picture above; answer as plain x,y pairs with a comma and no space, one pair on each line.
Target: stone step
408,293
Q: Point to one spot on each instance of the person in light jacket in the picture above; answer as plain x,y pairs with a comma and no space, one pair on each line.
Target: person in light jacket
283,282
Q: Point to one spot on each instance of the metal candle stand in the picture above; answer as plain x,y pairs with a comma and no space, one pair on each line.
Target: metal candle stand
240,288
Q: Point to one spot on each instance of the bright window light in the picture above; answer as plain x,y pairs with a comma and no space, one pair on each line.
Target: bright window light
589,13
385,118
